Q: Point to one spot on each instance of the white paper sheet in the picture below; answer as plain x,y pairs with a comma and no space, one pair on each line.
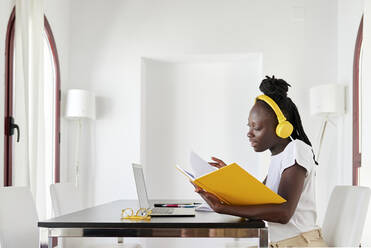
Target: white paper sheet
185,172
199,166
204,207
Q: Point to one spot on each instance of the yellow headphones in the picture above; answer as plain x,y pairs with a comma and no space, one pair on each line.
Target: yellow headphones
284,128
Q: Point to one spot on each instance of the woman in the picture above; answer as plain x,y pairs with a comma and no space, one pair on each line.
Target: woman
291,173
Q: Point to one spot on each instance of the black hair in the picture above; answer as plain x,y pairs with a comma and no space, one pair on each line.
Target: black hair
277,90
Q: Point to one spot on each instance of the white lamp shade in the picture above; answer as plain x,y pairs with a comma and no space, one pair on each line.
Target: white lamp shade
80,104
327,100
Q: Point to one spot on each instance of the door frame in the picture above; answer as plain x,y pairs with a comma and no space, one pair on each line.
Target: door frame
9,59
356,99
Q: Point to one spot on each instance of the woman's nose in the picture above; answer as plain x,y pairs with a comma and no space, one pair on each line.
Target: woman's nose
249,133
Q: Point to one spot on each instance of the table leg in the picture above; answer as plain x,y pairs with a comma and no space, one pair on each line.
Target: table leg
263,237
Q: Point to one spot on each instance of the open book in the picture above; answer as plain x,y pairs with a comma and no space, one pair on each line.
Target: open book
231,184
199,167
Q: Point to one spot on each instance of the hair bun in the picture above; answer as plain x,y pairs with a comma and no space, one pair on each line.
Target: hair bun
274,87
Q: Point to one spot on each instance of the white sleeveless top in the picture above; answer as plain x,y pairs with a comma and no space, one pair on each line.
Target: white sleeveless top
305,216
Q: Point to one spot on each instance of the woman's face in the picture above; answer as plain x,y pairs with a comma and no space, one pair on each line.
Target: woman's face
262,127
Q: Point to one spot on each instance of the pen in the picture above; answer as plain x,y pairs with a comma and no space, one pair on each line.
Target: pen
175,205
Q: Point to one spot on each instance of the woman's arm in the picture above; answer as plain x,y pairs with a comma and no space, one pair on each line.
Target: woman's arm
290,188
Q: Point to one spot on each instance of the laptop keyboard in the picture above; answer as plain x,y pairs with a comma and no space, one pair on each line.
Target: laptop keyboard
162,210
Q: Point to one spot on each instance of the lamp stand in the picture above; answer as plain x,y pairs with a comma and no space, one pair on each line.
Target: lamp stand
77,154
323,128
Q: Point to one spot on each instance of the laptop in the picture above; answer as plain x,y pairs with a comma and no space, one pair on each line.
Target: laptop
144,202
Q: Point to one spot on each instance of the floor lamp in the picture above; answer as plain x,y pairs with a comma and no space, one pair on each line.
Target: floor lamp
80,104
326,101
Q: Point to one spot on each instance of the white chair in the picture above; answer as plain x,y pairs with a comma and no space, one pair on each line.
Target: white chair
18,218
67,199
345,216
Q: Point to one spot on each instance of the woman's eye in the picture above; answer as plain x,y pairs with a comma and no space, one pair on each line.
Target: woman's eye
253,127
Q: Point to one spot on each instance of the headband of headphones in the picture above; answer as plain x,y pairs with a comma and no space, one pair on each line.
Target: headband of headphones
284,127
274,106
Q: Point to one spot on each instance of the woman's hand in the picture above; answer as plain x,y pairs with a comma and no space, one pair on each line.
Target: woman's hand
218,163
210,199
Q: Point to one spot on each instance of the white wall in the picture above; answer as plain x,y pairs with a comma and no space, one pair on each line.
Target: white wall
108,40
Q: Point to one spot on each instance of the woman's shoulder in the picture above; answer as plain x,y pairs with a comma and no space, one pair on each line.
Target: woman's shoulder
298,146
302,148
297,151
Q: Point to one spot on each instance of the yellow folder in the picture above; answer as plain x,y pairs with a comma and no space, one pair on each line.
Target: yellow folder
235,186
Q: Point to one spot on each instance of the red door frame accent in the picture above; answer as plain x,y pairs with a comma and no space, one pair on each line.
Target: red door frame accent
58,94
9,48
356,64
9,53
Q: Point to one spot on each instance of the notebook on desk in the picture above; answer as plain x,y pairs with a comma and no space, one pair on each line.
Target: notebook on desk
144,202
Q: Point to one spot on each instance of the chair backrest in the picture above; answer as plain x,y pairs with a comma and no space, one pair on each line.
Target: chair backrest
345,215
18,218
65,198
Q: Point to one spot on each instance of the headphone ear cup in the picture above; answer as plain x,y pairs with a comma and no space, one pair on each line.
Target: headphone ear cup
284,129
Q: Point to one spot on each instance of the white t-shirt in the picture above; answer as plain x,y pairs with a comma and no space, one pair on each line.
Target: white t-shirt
305,216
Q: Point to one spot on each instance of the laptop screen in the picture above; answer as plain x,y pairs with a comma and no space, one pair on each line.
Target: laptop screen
141,186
